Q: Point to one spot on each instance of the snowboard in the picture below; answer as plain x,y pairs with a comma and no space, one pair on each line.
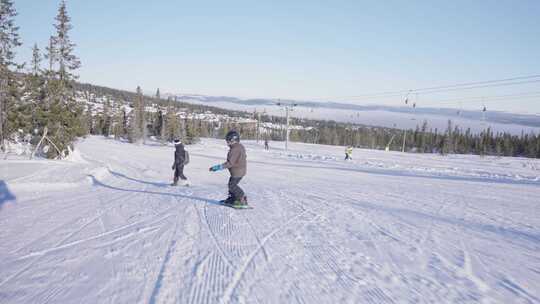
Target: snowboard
222,202
180,185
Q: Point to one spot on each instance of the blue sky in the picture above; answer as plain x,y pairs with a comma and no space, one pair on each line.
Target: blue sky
323,50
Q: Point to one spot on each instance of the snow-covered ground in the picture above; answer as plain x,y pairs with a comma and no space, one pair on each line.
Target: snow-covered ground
387,227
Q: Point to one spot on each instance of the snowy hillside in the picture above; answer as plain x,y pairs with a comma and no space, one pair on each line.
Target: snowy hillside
105,227
384,116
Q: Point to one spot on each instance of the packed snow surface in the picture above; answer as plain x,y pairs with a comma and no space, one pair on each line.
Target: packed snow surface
387,227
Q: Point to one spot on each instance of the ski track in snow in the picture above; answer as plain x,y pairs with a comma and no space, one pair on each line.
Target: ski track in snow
385,228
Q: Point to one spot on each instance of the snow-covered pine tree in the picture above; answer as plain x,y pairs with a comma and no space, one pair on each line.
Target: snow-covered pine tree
9,40
64,114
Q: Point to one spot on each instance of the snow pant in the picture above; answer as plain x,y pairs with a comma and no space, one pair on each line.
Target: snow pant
179,173
347,156
234,190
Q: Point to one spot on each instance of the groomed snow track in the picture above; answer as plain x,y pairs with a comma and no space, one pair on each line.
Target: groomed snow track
385,228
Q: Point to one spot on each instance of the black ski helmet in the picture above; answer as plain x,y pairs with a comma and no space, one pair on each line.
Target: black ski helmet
232,136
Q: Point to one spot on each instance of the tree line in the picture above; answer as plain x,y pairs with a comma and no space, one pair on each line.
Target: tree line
422,139
42,99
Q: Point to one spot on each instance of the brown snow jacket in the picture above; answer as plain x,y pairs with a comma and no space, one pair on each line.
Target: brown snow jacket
236,160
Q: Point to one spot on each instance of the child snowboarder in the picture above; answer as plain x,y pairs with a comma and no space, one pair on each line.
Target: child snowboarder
237,165
181,158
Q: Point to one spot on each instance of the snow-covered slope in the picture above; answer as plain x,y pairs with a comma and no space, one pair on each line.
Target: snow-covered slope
105,227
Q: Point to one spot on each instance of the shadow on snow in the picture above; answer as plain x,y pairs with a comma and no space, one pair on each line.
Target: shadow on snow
98,183
118,174
5,194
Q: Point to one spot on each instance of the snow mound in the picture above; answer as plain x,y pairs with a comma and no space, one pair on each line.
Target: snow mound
75,156
19,148
99,173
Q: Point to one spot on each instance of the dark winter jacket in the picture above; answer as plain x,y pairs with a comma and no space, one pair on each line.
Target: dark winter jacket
236,160
179,155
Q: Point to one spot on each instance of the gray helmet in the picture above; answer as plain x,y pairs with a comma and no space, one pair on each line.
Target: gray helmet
232,136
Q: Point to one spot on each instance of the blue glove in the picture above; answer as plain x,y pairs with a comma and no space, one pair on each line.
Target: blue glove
216,168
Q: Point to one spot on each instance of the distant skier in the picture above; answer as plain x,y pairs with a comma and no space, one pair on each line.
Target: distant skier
237,165
266,147
181,158
348,153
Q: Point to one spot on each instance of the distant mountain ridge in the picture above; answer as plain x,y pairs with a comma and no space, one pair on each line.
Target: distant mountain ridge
494,116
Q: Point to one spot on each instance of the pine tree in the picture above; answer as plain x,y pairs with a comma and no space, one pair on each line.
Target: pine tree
191,131
36,61
9,40
63,115
447,145
144,123
137,120
50,73
66,60
164,123
107,119
172,124
35,88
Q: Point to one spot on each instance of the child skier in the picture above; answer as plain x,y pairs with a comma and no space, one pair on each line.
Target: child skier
237,165
348,153
181,158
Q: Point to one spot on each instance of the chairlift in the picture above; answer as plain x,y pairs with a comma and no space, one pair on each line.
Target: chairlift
407,97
